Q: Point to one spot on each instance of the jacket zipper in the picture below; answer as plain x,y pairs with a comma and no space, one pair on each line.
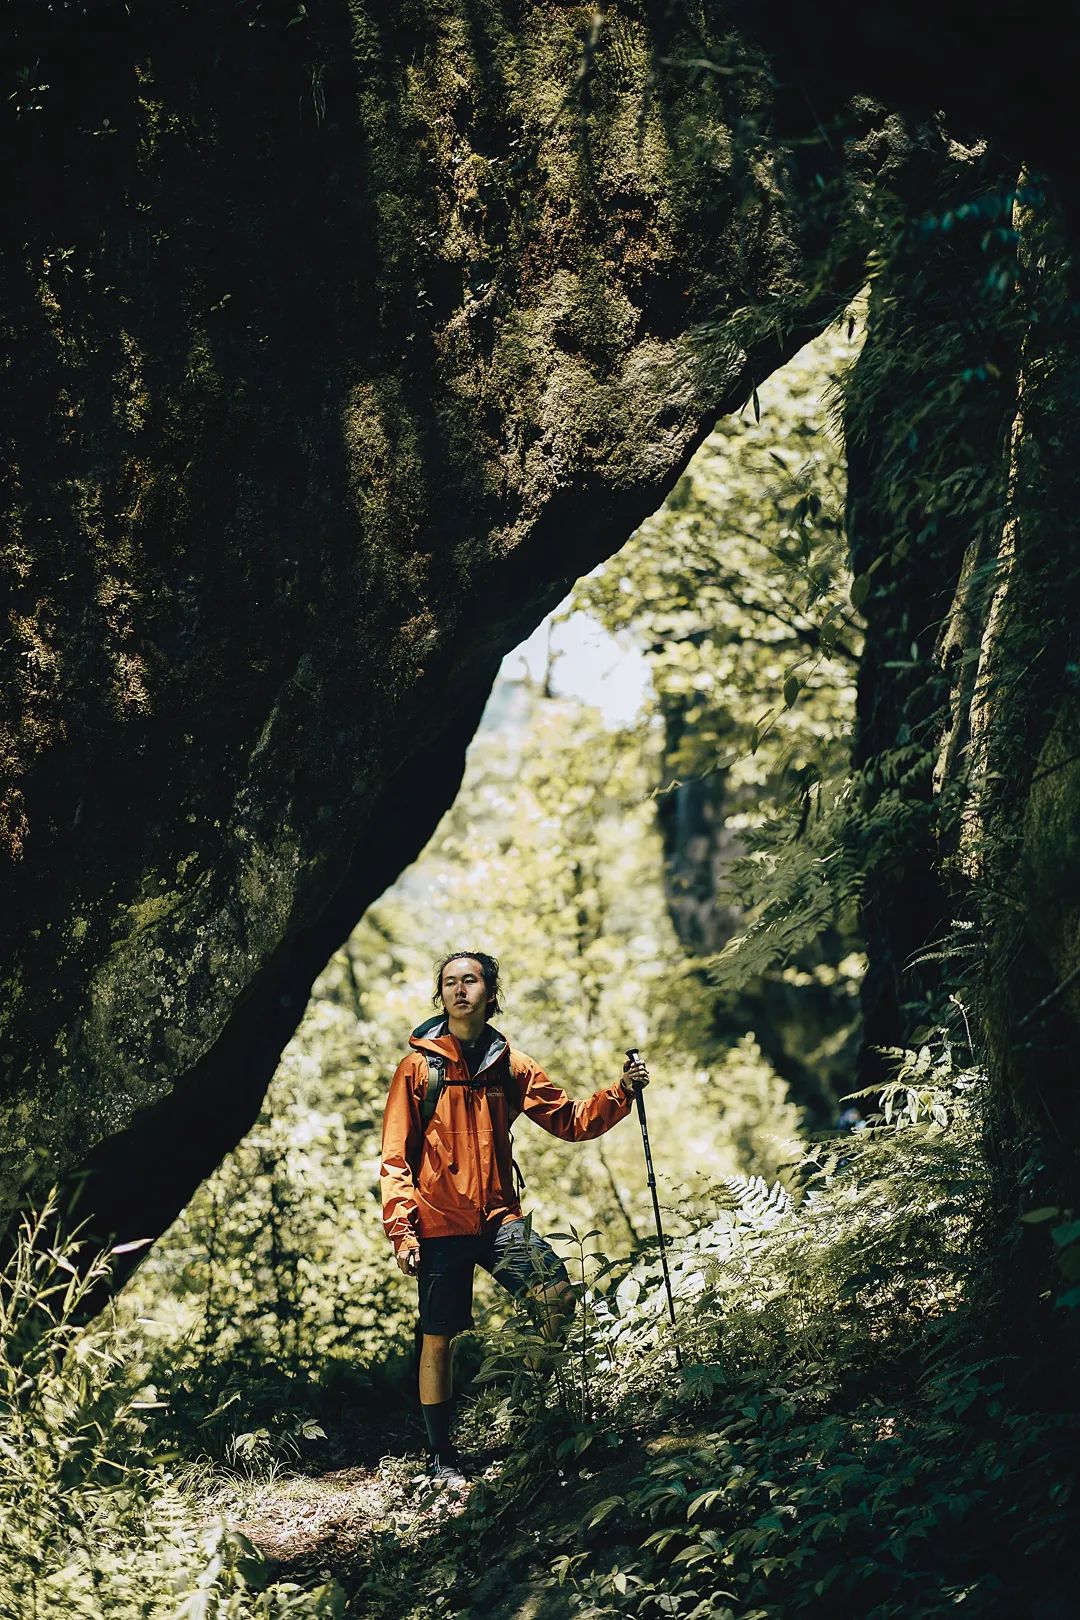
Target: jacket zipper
480,1211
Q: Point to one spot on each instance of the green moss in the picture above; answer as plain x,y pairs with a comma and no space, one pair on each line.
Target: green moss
308,376
145,913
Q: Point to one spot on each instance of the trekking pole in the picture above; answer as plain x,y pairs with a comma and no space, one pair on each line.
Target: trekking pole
635,1057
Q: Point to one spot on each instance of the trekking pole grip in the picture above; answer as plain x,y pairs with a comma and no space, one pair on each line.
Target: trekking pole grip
639,1097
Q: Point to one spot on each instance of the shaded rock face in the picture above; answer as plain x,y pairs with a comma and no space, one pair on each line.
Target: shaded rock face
341,339
1025,808
925,486
993,80
960,521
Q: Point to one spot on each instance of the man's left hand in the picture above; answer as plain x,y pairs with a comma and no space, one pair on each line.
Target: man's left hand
633,1075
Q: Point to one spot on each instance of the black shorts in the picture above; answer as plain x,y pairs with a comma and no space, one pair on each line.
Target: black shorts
520,1263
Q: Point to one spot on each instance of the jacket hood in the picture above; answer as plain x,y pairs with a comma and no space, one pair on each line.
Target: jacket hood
433,1036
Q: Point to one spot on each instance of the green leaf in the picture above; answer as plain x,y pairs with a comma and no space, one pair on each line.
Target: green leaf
604,1510
792,688
196,1606
1035,1217
1069,1261
702,1501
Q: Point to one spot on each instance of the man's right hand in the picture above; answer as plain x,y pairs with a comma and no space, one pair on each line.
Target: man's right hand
408,1259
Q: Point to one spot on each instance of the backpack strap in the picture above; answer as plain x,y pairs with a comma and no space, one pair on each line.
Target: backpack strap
433,1087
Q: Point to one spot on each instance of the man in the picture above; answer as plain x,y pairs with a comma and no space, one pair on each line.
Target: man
448,1194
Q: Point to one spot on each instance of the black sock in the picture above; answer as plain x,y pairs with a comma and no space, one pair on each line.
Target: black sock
437,1423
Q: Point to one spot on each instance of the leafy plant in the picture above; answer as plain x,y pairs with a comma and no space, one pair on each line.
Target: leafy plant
845,1435
95,1525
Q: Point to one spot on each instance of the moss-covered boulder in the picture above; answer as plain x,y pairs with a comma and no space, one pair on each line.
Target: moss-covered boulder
340,338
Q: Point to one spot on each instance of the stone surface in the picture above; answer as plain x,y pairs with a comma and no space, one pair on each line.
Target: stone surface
340,339
990,78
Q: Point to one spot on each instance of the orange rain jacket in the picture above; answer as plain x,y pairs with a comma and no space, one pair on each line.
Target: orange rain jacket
456,1177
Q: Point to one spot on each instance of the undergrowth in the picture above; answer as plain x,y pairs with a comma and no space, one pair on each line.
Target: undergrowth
96,1524
840,1436
840,1439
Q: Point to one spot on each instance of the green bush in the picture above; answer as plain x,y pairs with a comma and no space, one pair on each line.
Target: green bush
94,1524
844,1436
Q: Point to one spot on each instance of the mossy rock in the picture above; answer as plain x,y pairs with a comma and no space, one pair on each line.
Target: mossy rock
346,337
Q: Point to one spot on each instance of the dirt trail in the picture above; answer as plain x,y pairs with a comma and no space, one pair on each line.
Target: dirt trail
316,1522
343,1523
366,1518
322,1516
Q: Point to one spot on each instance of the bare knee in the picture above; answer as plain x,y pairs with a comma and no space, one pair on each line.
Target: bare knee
556,1304
436,1368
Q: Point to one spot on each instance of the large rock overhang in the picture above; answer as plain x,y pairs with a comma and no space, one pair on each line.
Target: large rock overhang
994,73
341,339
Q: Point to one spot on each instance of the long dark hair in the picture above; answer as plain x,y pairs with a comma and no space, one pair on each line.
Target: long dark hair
488,966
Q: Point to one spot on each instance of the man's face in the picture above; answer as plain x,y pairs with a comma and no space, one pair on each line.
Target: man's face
462,987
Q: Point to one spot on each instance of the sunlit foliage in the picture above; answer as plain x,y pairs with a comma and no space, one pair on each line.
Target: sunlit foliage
95,1520
738,587
550,858
739,590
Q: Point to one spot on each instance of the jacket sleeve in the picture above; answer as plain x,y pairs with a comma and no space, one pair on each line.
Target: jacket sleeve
402,1136
546,1103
